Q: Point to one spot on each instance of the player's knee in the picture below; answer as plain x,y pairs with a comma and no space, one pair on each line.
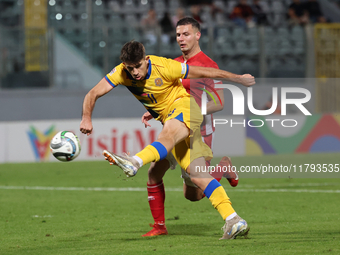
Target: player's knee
153,176
193,194
166,135
157,170
194,197
174,129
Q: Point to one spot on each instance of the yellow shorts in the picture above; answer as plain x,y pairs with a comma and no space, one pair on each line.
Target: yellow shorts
187,111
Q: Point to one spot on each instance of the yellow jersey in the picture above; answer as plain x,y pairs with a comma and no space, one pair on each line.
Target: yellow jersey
160,88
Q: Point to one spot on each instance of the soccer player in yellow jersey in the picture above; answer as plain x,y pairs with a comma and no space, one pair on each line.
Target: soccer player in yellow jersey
188,35
155,82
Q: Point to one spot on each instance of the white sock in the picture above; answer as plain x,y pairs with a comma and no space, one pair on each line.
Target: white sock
139,160
231,216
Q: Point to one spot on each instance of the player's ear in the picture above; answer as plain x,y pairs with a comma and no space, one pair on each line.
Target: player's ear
198,35
147,58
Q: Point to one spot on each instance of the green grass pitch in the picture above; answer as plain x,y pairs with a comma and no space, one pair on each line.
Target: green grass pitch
54,208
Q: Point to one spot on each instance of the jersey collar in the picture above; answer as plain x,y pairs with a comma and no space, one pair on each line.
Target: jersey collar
198,55
149,71
147,75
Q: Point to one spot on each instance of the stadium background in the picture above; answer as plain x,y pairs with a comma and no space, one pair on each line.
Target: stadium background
52,52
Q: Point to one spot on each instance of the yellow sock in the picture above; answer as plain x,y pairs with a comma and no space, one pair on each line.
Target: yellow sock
221,202
219,199
148,154
153,152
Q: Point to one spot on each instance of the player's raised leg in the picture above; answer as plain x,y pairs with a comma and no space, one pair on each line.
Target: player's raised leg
173,132
234,224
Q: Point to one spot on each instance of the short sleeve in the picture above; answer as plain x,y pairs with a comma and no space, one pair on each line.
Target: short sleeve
176,70
116,76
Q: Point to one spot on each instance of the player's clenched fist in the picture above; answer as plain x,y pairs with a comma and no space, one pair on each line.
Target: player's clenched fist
86,126
246,80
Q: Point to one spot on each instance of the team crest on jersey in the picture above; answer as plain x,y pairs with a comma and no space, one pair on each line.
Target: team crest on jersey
113,70
159,82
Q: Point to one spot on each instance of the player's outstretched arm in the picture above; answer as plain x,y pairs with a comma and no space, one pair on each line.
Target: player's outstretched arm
90,99
209,72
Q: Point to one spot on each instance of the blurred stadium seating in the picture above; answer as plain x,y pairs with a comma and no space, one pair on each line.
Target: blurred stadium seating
93,32
98,28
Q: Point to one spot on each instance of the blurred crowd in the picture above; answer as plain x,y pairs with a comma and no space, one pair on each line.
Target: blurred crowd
305,12
152,20
245,13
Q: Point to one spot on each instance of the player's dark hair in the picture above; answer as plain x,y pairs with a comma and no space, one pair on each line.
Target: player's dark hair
132,52
188,21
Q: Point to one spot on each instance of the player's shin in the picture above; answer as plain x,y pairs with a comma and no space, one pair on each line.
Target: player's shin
219,199
156,198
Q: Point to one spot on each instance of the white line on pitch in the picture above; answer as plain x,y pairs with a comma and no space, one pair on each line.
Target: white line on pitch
288,190
291,185
73,188
167,189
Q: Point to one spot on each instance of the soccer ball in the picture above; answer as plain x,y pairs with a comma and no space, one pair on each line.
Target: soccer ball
65,146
